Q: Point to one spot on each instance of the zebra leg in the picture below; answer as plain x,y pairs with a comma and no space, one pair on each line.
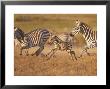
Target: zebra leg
54,51
87,52
72,56
27,52
84,50
49,52
21,51
24,47
82,53
73,52
38,51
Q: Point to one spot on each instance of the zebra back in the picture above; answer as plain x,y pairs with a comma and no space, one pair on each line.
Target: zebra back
37,37
87,32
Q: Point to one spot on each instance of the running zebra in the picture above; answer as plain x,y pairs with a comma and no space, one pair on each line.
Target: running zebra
62,42
37,37
89,35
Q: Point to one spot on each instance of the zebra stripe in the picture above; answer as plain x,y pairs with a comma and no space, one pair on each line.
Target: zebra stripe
62,42
34,38
89,35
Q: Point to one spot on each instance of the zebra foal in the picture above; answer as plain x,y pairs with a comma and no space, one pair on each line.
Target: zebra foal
62,43
35,38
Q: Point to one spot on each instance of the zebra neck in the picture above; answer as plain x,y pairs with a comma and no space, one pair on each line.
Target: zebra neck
85,38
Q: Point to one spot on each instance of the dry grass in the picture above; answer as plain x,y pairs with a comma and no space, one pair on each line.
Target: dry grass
61,64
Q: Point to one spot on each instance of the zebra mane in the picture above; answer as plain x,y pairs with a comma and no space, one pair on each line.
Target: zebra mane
37,29
82,23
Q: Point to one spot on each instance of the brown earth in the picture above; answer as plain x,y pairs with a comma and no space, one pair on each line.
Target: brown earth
59,65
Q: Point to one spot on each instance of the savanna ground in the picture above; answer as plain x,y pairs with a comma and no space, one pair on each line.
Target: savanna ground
61,64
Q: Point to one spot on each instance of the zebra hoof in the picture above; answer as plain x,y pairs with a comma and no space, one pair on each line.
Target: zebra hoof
20,54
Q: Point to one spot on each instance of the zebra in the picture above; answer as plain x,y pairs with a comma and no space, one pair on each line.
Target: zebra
89,35
62,42
37,37
18,35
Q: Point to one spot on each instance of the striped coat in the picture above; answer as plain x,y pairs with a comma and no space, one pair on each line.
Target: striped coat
62,42
37,37
89,35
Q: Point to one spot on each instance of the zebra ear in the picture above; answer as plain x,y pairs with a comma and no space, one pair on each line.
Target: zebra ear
78,22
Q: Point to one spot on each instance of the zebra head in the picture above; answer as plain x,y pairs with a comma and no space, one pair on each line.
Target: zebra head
75,31
54,39
19,34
